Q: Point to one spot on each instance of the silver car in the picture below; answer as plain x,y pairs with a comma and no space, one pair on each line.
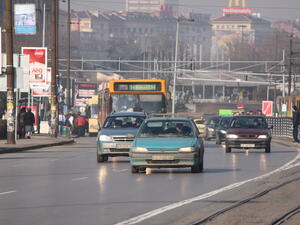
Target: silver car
117,134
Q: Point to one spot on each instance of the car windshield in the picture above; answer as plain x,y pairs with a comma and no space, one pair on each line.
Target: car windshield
166,128
225,121
200,121
137,102
123,122
249,122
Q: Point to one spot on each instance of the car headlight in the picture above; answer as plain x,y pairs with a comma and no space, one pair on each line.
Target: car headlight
105,138
231,136
210,129
263,136
223,131
139,149
187,149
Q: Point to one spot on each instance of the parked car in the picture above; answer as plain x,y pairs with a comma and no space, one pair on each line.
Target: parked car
210,127
117,134
167,142
248,132
200,123
221,129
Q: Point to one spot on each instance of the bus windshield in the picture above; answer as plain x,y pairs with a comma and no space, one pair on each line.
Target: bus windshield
137,102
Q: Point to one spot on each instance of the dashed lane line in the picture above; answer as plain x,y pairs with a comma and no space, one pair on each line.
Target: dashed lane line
7,192
80,178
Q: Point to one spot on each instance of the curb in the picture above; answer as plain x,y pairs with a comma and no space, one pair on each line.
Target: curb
19,149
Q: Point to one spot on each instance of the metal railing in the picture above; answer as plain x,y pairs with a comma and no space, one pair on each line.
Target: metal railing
282,126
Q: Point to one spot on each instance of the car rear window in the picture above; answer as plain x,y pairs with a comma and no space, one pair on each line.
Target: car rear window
249,122
123,122
167,128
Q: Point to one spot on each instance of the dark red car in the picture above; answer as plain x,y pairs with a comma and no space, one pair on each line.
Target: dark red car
248,132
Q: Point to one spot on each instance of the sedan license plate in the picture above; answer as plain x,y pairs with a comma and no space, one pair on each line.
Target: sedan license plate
109,145
162,157
247,145
123,145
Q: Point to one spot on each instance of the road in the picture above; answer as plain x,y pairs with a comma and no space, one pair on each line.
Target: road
65,184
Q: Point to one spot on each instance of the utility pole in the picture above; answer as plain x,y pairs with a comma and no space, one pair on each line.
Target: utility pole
290,66
10,75
68,84
54,125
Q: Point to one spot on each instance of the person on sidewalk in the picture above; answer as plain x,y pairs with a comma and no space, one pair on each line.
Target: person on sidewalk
61,122
28,122
21,124
81,122
296,122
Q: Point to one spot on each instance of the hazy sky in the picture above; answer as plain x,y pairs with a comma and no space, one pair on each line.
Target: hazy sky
269,9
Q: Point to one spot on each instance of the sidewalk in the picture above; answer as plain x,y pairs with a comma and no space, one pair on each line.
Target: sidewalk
36,141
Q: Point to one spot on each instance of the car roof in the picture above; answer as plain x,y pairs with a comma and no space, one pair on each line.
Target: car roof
114,114
251,116
169,118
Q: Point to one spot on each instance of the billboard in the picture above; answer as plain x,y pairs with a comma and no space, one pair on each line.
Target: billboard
237,11
43,90
37,66
84,91
267,108
25,19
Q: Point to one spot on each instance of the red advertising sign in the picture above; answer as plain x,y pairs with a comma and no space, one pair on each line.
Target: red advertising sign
37,66
239,11
43,90
267,108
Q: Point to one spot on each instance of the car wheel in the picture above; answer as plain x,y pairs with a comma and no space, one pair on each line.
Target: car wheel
218,142
101,158
134,169
227,149
268,148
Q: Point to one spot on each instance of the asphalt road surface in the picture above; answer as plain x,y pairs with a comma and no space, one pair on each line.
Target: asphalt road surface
65,185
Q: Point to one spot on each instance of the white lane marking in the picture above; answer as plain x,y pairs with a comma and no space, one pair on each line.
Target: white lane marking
80,178
163,209
8,192
18,165
53,160
119,171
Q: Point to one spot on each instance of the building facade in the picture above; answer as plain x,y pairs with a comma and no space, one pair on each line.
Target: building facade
150,6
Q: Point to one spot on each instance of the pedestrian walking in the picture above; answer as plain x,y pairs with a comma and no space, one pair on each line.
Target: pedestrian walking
61,122
21,123
296,122
81,123
28,122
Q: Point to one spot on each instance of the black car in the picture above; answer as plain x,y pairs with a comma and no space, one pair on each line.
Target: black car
248,132
210,127
221,129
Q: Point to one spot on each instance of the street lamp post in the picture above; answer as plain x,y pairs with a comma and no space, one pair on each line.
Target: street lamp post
175,63
175,69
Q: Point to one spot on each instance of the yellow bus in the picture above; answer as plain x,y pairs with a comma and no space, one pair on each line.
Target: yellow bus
132,95
92,115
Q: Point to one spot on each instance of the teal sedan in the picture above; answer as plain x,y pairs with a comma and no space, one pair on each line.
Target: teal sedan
167,143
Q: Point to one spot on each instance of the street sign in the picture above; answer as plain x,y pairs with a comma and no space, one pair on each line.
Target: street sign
267,108
240,106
